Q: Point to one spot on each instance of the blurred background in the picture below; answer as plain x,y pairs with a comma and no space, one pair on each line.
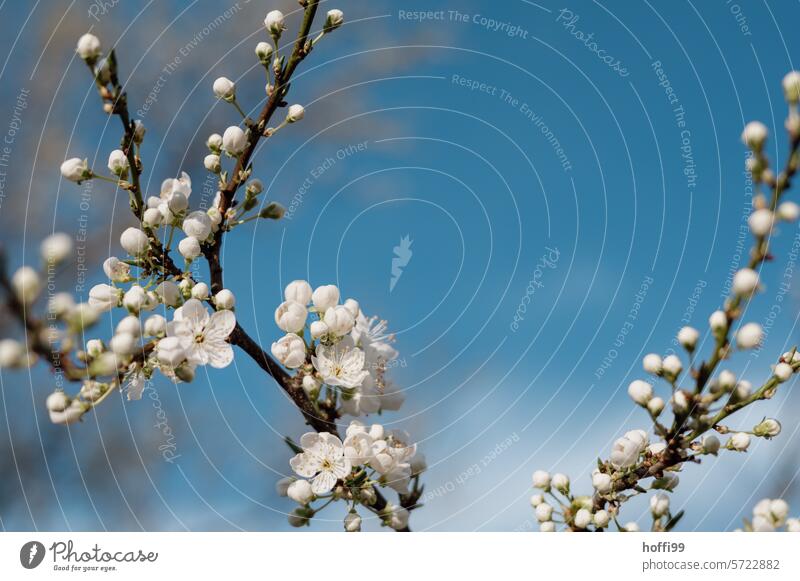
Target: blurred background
572,183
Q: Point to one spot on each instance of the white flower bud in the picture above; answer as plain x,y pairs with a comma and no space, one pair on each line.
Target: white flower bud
298,291
749,336
290,351
274,23
168,293
710,444
88,47
745,281
295,113
583,518
398,517
601,482
769,428
138,131
726,380
652,363
778,510
200,291
688,337
754,135
94,347
104,297
640,391
116,270
760,222
299,517
783,371
793,525
601,519
282,485
234,141
743,390
560,482
791,86
189,248
659,505
56,248
547,527
225,89
264,52
134,241
740,441
300,491
11,353
291,316
339,320
788,211
131,325
26,284
214,142
672,365
57,401
212,163
655,406
170,352
155,326
224,300
325,297
352,306
352,522
123,344
310,384
680,402
272,211
76,170
319,329
118,162
718,321
541,479
536,500
333,20
135,299
152,218
544,512
198,225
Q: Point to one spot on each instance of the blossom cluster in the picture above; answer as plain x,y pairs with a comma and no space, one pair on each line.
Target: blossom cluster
349,470
687,408
770,515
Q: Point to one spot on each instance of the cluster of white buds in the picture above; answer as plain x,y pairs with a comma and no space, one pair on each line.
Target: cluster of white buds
336,345
770,515
369,457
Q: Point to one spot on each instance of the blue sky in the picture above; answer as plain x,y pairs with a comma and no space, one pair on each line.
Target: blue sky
606,198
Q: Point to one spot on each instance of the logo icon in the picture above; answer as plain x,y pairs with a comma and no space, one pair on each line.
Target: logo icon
31,554
401,258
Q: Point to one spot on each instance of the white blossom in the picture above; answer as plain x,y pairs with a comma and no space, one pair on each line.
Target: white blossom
290,351
295,113
640,391
688,337
88,47
783,372
341,364
718,321
118,162
745,282
27,284
300,491
754,135
224,300
659,505
334,19
541,479
652,363
264,52
544,512
212,163
274,23
352,522
56,248
234,140
788,211
198,225
224,89
155,326
749,336
339,320
739,441
298,291
203,337
760,222
134,241
325,297
189,248
672,365
601,482
583,518
116,270
291,317
104,297
322,460
76,169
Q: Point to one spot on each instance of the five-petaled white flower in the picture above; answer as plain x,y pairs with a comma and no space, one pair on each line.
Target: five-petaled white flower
203,337
371,335
341,364
322,460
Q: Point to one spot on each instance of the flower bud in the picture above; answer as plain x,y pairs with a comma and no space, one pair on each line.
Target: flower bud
749,336
740,441
601,519
225,89
104,297
300,491
56,248
339,320
155,326
274,23
170,352
264,52
272,211
791,87
295,113
602,483
234,141
198,225
544,512
352,522
291,317
760,222
754,135
768,428
640,391
224,300
116,270
319,329
134,241
783,372
560,482
118,162
652,363
123,344
333,20
212,163
76,170
659,505
672,365
718,321
541,479
583,518
311,385
189,248
688,337
88,47
94,347
135,299
26,284
325,297
547,527
655,406
152,218
710,444
298,291
214,143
